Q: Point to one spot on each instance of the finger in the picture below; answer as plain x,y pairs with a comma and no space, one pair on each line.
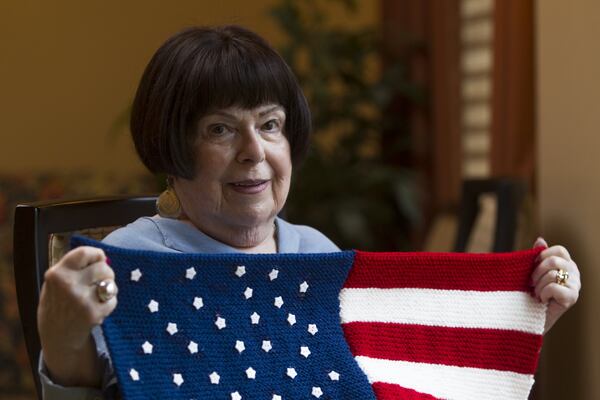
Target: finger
81,257
548,278
548,264
107,307
540,242
94,298
558,251
96,272
105,290
98,310
562,295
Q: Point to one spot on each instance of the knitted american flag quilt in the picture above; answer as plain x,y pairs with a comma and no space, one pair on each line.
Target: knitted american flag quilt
347,325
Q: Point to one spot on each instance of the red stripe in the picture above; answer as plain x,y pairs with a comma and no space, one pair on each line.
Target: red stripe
389,391
497,349
450,271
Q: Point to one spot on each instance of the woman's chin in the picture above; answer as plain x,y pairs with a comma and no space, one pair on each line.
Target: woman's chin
250,210
255,220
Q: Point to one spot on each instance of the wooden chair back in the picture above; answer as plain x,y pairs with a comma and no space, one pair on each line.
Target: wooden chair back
41,234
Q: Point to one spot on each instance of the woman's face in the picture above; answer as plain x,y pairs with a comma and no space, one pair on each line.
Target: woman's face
243,170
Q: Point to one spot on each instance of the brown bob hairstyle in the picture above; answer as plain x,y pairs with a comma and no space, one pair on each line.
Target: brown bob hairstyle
202,69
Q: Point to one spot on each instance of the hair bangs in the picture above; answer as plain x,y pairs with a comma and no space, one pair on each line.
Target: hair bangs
241,79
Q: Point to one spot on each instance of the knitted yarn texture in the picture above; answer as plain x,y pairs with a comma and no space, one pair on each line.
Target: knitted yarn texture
237,326
444,325
347,325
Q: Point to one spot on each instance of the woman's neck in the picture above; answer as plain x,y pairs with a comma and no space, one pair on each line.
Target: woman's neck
256,239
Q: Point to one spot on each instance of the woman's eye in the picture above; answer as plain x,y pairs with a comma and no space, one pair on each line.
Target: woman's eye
271,125
218,130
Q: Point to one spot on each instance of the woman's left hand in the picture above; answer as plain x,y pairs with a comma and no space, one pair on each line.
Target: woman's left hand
559,297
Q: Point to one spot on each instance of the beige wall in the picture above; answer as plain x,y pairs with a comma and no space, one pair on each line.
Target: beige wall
569,181
69,68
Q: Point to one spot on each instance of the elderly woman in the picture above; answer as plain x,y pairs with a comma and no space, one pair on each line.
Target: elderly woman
221,114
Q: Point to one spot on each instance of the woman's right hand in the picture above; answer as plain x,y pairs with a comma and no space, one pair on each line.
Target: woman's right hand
68,310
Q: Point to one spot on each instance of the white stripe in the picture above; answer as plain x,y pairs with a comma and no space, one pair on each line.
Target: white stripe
450,308
448,382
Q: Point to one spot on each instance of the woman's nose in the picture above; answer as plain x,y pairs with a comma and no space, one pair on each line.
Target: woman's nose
251,148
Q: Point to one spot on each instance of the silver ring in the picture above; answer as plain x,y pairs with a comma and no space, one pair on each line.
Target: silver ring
106,290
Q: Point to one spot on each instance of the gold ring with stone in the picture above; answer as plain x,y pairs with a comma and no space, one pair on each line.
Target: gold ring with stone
106,290
562,277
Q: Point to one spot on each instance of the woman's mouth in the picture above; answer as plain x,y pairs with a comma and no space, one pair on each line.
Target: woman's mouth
250,186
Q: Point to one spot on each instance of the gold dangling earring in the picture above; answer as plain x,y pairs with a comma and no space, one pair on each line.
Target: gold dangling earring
167,204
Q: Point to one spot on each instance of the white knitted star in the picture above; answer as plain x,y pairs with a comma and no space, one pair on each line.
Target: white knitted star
172,328
273,274
236,396
312,329
147,347
240,271
317,392
334,376
136,274
214,378
240,346
303,287
254,318
134,375
278,301
220,323
198,303
266,346
251,373
190,273
291,318
291,372
193,347
276,397
177,379
248,293
153,306
305,351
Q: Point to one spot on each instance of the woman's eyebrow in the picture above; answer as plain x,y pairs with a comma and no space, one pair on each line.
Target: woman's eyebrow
234,116
270,110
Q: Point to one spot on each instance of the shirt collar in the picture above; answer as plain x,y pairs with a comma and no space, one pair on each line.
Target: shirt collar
184,237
